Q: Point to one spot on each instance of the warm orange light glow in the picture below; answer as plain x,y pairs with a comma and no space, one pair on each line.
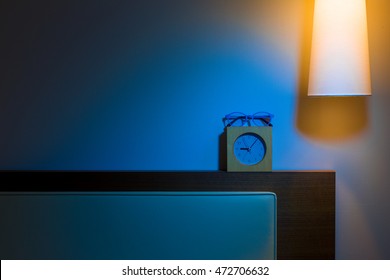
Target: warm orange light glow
339,63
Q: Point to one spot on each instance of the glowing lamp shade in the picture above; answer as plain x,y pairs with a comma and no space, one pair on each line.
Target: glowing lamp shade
339,62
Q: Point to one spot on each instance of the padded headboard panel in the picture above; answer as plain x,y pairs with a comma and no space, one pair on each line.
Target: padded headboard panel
138,225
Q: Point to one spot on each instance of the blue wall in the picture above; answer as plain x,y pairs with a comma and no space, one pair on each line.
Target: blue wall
143,85
131,86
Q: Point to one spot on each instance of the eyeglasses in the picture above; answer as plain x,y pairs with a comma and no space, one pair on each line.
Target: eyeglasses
241,119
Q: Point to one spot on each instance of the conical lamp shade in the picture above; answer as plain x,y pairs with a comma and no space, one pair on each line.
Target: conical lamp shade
339,61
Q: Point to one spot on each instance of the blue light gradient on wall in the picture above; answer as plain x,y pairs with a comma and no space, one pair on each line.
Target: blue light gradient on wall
128,85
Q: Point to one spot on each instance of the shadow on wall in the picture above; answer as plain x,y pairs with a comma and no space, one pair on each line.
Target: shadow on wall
222,155
330,119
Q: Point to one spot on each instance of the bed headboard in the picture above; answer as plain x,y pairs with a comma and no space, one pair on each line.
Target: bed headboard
305,208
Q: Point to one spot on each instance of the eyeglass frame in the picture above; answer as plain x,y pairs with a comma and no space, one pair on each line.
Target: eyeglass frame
264,117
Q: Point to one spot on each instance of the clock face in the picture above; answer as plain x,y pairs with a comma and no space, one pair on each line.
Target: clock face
249,148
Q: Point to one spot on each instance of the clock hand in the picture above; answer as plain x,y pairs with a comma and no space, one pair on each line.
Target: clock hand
245,149
253,144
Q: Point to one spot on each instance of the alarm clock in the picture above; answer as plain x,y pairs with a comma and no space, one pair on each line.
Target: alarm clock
249,148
